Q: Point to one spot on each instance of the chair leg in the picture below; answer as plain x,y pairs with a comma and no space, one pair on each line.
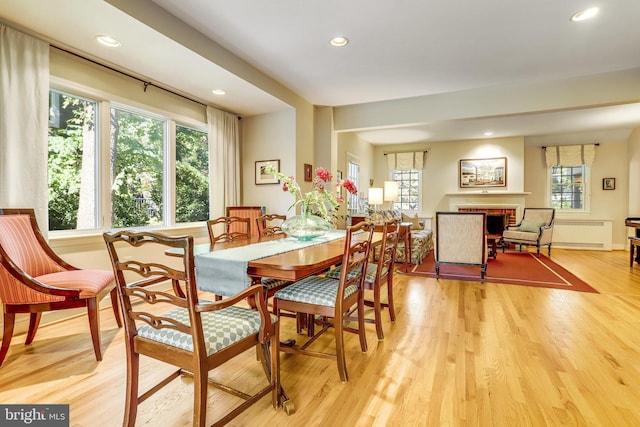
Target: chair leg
94,326
34,322
276,395
377,311
340,358
392,310
114,305
8,320
362,332
131,400
200,382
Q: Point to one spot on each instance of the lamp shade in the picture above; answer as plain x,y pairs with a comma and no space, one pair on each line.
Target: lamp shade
375,196
391,191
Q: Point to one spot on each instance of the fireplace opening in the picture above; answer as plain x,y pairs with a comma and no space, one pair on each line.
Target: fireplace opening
496,223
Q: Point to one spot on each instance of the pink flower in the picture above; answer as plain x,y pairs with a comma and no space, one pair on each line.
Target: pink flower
350,186
340,199
324,174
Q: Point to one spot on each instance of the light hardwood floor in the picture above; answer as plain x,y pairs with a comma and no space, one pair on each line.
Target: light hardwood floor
459,354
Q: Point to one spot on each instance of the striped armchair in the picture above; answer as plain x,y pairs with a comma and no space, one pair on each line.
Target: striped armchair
33,279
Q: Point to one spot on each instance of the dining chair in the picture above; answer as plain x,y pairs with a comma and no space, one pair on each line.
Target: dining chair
380,274
332,299
251,212
34,279
194,335
234,228
270,224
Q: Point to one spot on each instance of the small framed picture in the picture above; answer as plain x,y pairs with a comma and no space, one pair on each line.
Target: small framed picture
262,177
608,183
308,172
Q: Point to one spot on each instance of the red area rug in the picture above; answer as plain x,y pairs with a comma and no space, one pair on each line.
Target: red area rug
513,268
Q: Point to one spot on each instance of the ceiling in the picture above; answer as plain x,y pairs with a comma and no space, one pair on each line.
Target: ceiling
398,49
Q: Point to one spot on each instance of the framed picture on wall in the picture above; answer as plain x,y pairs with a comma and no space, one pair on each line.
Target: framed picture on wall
308,172
608,183
262,177
483,172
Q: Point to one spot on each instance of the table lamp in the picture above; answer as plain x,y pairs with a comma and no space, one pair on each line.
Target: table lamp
391,192
375,199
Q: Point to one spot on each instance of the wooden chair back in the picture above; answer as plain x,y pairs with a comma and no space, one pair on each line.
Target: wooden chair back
270,224
228,229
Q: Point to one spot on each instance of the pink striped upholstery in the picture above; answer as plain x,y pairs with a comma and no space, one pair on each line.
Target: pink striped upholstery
251,212
21,246
89,282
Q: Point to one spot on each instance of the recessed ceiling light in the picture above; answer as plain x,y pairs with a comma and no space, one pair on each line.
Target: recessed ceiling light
218,92
488,133
339,41
585,14
108,41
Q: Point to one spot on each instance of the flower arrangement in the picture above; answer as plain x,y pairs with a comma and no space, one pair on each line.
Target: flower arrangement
321,196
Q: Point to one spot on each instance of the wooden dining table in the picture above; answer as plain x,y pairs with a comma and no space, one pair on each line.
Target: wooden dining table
292,265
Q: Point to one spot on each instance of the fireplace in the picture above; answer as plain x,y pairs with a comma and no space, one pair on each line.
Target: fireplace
496,223
497,219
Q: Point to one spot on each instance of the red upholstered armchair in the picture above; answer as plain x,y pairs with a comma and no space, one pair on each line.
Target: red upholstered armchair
33,279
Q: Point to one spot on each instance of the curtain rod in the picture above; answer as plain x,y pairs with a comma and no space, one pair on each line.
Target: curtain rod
544,147
403,152
144,82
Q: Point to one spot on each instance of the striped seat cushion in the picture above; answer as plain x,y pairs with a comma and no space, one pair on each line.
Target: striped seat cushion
221,328
334,273
314,290
90,282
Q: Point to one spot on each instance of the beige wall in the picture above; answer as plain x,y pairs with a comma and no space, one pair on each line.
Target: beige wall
633,153
610,162
440,176
268,137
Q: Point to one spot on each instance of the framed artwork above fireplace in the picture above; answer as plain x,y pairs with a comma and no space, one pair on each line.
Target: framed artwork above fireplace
483,173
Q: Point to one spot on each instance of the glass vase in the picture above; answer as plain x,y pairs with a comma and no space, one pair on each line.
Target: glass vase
305,226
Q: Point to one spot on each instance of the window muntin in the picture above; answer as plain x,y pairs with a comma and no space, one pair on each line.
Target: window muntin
408,189
192,175
137,169
72,162
568,187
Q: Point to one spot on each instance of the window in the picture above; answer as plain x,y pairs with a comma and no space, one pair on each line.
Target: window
353,173
409,189
137,169
568,187
72,162
192,175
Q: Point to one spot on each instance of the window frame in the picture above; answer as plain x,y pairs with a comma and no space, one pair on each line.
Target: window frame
419,197
105,101
586,190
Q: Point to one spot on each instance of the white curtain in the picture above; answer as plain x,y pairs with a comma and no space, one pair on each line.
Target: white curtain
224,160
570,155
405,161
24,105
